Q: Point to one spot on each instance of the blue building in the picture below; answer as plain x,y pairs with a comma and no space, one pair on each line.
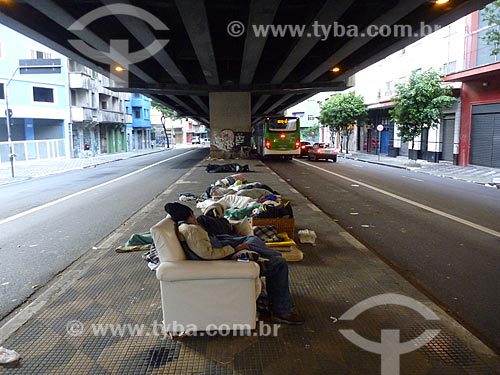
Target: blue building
139,131
34,80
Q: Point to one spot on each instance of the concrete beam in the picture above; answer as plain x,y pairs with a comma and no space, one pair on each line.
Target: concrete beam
331,11
389,18
194,17
64,19
261,12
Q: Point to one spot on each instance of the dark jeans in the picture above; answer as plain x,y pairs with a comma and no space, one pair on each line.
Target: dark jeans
278,292
256,244
275,270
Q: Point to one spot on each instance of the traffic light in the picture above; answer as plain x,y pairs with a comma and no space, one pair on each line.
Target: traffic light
8,115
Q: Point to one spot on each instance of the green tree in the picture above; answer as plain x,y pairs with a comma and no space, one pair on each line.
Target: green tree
166,113
491,14
341,112
418,104
311,132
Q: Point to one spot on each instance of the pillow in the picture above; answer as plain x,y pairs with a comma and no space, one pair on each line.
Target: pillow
266,233
243,228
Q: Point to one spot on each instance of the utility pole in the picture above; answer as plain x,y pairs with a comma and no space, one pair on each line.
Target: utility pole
8,116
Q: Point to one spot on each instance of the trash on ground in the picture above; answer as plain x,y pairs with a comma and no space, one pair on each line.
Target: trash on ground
307,236
8,356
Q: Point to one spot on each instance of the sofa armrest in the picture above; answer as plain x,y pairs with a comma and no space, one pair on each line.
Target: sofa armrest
205,270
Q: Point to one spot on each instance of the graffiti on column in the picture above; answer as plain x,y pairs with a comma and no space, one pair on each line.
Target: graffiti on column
224,141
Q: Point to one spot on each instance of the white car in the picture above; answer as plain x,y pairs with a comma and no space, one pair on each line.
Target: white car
205,141
195,140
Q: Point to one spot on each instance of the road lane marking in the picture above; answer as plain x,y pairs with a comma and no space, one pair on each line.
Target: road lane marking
416,204
68,197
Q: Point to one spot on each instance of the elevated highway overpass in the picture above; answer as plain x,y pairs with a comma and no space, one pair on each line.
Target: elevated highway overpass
230,62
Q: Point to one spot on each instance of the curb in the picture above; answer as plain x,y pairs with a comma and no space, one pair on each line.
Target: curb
379,163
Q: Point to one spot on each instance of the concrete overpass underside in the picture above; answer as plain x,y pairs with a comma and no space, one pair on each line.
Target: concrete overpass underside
200,52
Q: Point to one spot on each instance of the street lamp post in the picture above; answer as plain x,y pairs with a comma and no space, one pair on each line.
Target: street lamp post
8,115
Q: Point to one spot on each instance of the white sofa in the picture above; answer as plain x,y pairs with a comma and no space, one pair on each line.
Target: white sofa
203,295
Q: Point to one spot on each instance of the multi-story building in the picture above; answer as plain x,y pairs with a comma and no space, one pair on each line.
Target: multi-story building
164,127
442,51
98,114
33,82
60,108
308,112
139,131
480,96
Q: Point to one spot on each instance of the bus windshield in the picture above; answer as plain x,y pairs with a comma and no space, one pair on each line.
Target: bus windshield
283,124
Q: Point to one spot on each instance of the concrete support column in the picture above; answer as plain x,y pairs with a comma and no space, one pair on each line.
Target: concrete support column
230,124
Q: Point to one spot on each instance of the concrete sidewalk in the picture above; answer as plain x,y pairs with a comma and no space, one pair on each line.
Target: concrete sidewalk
101,316
25,170
471,173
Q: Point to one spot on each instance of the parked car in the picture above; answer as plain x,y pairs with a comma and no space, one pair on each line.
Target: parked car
195,140
322,151
304,148
205,141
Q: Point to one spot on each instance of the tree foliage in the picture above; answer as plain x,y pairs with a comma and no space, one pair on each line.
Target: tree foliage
311,132
165,111
418,103
491,15
168,113
341,112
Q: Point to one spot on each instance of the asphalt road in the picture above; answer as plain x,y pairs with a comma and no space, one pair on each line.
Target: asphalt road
47,223
441,234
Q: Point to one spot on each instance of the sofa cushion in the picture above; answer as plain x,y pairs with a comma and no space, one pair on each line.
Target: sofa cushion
166,242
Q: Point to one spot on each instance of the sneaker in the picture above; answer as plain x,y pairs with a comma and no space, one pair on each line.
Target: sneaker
292,317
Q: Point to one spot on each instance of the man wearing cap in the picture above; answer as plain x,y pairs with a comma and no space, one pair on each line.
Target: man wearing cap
199,245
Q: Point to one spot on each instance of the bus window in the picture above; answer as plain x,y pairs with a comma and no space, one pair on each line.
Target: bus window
283,124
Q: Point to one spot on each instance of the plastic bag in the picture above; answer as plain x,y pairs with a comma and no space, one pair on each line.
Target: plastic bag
8,356
307,236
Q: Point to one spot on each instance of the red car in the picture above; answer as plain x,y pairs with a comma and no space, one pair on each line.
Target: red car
322,151
304,148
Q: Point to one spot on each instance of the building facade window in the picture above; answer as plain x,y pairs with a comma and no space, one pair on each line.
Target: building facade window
40,55
43,94
310,117
2,91
73,97
388,88
137,113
